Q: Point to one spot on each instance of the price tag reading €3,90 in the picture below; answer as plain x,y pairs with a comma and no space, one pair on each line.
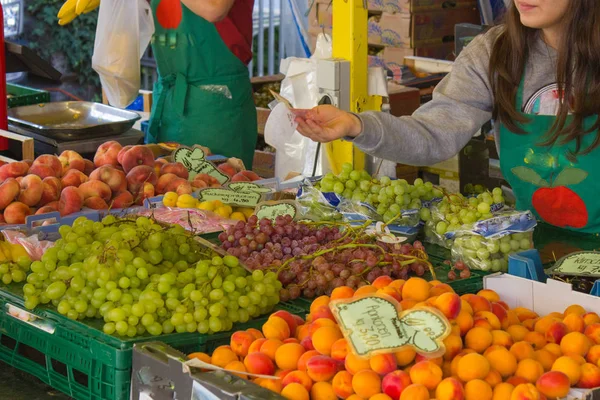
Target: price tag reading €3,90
374,324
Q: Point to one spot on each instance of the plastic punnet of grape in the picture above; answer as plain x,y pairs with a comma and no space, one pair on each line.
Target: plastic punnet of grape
140,277
487,244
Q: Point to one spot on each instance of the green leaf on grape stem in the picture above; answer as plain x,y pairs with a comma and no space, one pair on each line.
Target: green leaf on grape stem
529,175
570,176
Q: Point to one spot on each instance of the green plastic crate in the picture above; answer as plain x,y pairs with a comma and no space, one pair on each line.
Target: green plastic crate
24,96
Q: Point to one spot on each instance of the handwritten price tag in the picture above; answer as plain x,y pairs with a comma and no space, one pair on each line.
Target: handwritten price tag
228,196
194,160
272,210
373,325
248,187
583,263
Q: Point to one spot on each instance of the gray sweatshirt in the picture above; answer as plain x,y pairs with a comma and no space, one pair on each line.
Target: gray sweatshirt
462,103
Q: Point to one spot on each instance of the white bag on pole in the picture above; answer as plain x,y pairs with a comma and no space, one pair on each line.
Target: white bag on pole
125,28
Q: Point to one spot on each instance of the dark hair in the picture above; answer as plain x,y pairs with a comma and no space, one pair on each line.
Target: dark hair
578,73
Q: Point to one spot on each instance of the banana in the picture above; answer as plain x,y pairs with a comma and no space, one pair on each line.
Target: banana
81,6
67,8
68,19
92,6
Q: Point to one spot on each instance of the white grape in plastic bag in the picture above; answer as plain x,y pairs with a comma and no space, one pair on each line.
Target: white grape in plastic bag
125,28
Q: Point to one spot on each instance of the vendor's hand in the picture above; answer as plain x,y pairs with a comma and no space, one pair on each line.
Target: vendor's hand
327,123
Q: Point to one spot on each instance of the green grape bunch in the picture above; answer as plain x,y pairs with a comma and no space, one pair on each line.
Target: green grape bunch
143,277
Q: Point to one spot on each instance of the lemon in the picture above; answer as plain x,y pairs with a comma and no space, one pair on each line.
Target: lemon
207,205
248,212
170,199
218,203
187,201
229,209
238,216
223,211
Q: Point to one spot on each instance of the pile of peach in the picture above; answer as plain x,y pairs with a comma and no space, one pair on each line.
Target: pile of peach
493,352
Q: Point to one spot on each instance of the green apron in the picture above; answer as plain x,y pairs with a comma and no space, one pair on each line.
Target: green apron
203,95
560,190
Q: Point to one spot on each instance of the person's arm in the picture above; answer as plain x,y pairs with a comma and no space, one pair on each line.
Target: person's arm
210,10
437,131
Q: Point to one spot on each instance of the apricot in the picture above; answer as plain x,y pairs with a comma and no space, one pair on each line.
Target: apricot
553,384
590,376
322,391
427,374
415,392
255,332
593,333
295,391
259,363
591,318
355,363
276,328
416,289
472,366
394,383
366,383
288,354
321,368
453,345
339,349
299,377
555,332
536,340
382,281
383,364
545,358
324,338
574,323
405,356
270,346
478,339
575,309
525,391
256,345
522,350
223,356
503,391
240,343
450,389
593,356
318,302
569,367
530,370
490,295
440,288
554,349
479,303
239,367
488,316
502,338
342,384
200,356
478,390
365,290
342,292
503,361
517,332
449,304
290,319
465,322
575,343
493,378
380,396
274,385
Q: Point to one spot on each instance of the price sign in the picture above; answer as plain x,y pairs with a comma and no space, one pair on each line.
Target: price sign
274,209
195,161
373,325
228,196
583,263
248,187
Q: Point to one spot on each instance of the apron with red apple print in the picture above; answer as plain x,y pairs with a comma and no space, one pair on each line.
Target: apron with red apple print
203,94
561,190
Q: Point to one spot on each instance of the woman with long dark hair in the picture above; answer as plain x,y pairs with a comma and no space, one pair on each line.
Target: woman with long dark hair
538,77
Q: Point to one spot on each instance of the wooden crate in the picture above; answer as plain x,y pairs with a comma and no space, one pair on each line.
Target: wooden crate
15,140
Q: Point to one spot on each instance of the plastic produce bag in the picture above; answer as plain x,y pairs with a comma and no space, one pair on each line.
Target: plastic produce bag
315,206
487,244
125,28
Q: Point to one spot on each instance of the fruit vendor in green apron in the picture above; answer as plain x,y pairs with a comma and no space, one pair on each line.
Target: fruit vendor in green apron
203,95
538,77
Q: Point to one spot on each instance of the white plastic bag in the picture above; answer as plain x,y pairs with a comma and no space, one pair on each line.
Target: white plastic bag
125,28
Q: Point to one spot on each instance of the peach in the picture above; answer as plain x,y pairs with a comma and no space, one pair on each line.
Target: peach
574,323
121,200
426,373
240,343
590,376
342,384
575,343
449,304
472,366
415,392
95,189
295,391
71,160
593,333
180,186
525,391
339,349
136,156
322,391
95,203
405,356
89,167
207,180
74,178
45,210
107,154
122,152
175,168
503,391
259,363
227,169
569,367
502,361
51,188
114,178
321,368
71,200
13,170
164,181
383,364
479,303
366,383
199,184
16,213
9,191
45,166
276,328
354,363
416,289
245,176
556,331
145,192
553,384
530,370
139,175
288,354
453,345
158,163
324,337
478,390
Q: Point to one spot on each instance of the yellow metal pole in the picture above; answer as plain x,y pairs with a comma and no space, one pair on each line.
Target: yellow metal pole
350,42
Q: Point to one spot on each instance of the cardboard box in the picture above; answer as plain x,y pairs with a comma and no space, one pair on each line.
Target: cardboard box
413,6
321,15
393,57
264,164
426,28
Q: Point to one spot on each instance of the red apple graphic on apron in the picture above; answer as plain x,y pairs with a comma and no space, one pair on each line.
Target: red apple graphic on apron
554,202
169,13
